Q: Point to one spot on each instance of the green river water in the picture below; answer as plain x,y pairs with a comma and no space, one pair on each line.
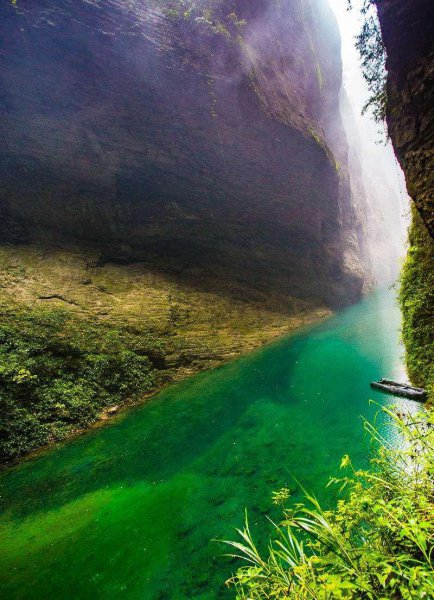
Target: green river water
131,510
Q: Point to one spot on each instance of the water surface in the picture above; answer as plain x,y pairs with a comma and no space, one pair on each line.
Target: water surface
130,510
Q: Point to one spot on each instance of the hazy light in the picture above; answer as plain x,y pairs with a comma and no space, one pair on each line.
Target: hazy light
378,161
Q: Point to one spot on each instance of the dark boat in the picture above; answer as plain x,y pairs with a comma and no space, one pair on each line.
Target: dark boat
400,389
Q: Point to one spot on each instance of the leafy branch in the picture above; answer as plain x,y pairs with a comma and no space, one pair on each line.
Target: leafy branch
377,543
369,43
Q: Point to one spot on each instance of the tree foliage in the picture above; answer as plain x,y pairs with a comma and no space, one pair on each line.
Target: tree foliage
369,43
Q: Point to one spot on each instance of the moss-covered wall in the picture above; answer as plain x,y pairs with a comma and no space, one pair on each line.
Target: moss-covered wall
407,29
79,336
58,372
417,304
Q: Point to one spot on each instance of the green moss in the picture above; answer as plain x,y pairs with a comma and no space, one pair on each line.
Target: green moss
77,336
417,305
209,15
57,372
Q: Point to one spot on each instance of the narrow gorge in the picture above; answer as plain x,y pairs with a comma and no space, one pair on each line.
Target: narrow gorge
216,299
175,190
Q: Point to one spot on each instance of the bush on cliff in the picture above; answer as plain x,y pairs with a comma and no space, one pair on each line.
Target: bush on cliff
57,372
417,305
378,544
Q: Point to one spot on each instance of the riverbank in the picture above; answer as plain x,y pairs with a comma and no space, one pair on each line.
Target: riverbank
80,336
376,543
131,509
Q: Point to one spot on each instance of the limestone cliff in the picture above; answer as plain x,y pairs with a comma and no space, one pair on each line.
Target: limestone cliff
174,191
408,33
192,135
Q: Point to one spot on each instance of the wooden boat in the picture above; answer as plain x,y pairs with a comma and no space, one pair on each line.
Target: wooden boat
400,389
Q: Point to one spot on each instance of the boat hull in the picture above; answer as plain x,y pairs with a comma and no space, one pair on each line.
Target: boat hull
403,391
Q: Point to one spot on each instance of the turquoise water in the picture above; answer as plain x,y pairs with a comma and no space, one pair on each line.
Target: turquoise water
131,510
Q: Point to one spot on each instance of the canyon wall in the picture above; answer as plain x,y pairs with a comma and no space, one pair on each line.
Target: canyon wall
174,192
372,184
407,27
408,33
205,139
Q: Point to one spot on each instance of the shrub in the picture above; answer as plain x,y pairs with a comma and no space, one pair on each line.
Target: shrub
376,545
417,304
58,371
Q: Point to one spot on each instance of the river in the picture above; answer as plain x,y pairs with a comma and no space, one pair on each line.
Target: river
131,510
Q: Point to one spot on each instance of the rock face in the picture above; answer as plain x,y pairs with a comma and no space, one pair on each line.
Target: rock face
205,141
408,33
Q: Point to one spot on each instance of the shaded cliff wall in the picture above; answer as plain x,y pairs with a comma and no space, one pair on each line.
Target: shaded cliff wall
408,33
174,191
193,138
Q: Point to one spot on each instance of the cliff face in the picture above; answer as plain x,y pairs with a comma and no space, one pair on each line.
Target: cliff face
174,192
408,32
192,139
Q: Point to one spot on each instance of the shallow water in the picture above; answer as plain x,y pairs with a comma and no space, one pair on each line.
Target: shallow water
131,510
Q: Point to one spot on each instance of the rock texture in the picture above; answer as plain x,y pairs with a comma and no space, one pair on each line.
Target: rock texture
408,33
195,328
203,140
78,339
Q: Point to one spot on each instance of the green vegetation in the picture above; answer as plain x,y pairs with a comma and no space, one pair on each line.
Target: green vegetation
417,305
57,372
372,52
210,15
76,337
376,545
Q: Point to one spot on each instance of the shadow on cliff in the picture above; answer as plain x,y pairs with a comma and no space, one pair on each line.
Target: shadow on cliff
175,141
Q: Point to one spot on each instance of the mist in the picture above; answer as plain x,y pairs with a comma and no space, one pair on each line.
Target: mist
374,170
